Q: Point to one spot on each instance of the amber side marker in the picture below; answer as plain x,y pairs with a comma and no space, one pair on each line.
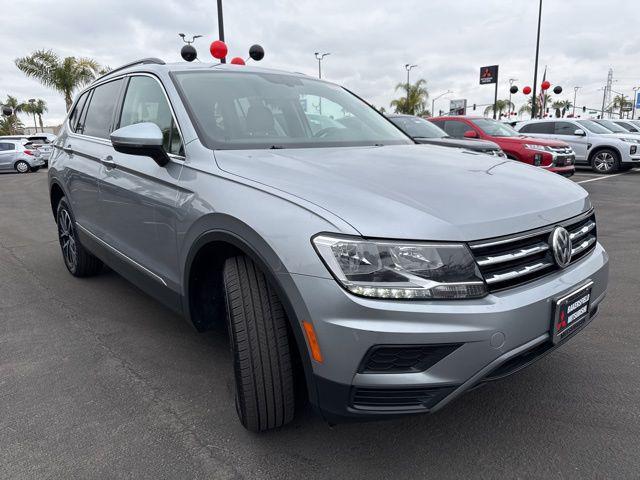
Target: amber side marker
312,340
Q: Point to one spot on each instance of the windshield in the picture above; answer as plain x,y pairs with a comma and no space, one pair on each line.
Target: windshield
417,127
593,127
247,110
614,127
495,128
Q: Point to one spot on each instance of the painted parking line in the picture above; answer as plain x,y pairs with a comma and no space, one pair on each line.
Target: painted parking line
604,177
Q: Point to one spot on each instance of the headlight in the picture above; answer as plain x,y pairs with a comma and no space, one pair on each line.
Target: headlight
401,270
540,148
631,140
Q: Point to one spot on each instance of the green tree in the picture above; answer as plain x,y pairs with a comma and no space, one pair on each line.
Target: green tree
62,74
622,102
30,108
501,106
415,100
561,107
11,125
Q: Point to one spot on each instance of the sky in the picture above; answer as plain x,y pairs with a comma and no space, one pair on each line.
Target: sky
370,42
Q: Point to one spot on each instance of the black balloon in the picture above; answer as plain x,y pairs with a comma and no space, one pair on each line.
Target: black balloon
7,111
557,90
189,53
513,89
256,52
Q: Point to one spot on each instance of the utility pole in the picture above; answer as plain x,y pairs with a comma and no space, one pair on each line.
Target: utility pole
604,99
635,101
575,94
319,57
221,27
408,68
535,71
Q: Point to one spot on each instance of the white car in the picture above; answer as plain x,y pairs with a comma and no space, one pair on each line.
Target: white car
594,145
15,156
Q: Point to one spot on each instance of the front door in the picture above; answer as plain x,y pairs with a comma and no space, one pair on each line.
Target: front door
137,196
565,131
7,155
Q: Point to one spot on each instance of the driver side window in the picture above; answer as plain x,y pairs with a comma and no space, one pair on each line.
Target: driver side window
145,101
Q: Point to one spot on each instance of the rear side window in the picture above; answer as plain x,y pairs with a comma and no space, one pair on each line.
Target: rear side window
145,101
456,129
77,111
565,128
99,117
538,127
6,146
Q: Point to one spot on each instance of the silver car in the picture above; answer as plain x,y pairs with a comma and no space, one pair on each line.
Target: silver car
15,156
382,277
594,144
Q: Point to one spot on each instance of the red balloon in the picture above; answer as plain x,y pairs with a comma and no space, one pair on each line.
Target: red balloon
546,84
526,90
218,49
237,61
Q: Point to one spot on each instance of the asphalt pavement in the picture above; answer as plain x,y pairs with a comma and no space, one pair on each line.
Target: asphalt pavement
97,380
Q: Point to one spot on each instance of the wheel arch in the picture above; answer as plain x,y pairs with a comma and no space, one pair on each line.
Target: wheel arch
599,148
204,262
56,192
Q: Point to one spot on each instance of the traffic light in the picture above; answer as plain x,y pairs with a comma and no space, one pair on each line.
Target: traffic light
584,109
474,107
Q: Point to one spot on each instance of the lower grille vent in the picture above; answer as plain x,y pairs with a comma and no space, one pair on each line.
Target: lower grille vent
398,398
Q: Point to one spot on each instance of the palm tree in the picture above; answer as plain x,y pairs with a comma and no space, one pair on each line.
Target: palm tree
501,106
561,107
621,102
415,100
62,74
40,109
12,124
526,108
30,108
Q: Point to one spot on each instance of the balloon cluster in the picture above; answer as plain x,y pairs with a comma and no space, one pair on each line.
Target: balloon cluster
546,85
219,50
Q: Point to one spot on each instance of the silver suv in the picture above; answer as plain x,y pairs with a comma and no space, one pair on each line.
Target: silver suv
383,277
594,144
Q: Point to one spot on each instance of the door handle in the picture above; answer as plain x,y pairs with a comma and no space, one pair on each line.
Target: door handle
68,149
108,162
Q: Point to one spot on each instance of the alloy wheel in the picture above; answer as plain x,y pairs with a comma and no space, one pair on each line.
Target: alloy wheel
22,167
604,162
67,236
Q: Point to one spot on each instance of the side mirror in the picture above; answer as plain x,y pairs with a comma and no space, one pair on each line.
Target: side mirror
579,132
470,134
141,139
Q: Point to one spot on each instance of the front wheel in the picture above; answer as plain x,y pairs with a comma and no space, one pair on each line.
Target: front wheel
260,344
22,167
77,259
605,161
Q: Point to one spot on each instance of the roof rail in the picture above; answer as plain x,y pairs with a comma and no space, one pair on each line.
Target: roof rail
142,61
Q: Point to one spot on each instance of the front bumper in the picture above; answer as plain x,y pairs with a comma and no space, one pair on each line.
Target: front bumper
492,332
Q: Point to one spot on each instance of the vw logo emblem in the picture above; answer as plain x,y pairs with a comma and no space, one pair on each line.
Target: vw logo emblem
561,246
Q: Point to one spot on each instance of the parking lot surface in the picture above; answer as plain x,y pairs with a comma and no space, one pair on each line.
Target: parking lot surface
97,380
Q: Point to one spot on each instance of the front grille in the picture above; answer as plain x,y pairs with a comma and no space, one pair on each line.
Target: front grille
398,399
510,261
404,358
562,150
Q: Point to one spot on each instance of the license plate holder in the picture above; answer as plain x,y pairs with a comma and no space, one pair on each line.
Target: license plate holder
570,311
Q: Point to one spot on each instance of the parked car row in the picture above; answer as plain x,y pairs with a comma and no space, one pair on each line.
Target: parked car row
16,155
40,146
378,276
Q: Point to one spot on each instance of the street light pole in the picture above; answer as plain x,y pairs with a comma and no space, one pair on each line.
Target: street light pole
635,100
221,27
511,82
433,101
408,67
535,71
319,57
575,94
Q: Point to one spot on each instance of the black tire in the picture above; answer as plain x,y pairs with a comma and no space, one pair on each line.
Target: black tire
257,323
22,167
77,259
605,161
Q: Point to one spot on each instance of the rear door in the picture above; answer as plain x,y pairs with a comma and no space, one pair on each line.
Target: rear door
565,131
85,148
138,196
7,155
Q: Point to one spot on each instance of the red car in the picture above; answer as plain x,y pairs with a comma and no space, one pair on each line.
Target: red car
552,155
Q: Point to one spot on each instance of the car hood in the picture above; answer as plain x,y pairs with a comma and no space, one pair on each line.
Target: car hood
534,141
415,191
471,144
620,135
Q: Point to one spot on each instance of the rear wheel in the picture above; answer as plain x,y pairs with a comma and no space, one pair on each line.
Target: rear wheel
22,166
605,161
260,344
77,259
